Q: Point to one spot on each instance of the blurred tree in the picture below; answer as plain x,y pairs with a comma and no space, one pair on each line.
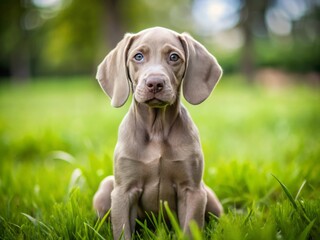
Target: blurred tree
252,16
15,32
113,20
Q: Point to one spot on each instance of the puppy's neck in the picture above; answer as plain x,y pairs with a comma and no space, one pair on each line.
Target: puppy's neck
156,122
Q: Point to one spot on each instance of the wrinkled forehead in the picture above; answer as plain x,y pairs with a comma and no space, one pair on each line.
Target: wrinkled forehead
157,38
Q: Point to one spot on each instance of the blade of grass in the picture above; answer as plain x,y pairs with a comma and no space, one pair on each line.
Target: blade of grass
306,231
146,230
44,228
153,220
161,218
64,156
287,192
102,221
300,189
122,234
212,216
195,231
304,213
95,231
248,217
173,221
293,202
75,178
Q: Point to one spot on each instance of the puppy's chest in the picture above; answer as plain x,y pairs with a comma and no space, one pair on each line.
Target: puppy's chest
151,162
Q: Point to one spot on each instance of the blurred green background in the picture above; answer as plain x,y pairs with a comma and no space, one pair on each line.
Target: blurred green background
70,37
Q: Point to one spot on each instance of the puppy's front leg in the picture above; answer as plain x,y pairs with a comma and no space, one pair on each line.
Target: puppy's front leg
191,206
124,211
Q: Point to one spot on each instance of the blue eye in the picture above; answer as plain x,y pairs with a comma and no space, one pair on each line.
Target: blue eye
174,57
138,57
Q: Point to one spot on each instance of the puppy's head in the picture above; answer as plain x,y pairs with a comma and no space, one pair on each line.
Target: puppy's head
155,62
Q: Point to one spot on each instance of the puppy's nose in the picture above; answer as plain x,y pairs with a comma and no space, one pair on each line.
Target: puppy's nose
154,84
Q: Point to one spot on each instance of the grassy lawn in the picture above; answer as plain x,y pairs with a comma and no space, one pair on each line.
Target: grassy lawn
261,146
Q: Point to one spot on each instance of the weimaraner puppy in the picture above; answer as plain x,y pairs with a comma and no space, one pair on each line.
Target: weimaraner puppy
158,155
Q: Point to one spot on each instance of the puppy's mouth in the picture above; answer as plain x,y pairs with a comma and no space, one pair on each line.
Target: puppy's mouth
156,103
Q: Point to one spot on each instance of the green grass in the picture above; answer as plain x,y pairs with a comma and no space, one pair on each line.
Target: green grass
262,158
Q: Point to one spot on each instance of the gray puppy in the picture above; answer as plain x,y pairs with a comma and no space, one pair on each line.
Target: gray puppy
158,156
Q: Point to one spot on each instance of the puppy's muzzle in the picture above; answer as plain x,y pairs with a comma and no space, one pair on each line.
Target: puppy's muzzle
155,84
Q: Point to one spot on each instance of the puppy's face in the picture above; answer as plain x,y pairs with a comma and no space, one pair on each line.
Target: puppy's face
156,64
154,61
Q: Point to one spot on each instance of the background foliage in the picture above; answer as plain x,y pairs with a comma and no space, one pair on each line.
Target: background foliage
65,37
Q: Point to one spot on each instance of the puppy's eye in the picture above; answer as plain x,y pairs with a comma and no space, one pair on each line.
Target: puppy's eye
174,57
138,57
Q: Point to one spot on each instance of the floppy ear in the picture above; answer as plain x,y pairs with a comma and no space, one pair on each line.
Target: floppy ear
202,71
112,73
